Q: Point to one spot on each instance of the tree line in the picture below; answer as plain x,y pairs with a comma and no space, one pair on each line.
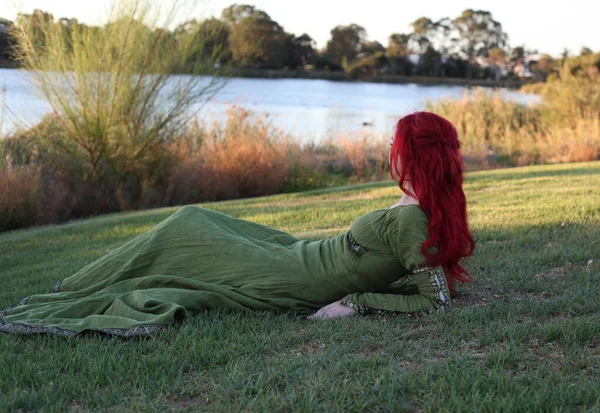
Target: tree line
470,45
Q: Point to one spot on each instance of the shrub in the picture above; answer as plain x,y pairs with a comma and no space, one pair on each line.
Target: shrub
245,158
115,94
495,132
19,186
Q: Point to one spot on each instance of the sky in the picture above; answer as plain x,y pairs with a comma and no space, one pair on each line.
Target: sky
548,26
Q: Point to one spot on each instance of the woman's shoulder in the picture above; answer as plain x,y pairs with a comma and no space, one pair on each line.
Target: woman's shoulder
388,223
407,214
407,223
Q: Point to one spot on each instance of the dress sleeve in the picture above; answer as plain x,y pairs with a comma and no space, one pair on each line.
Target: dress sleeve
430,295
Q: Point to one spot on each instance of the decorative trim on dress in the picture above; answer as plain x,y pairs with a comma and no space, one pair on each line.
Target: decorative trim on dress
17,328
360,309
56,288
355,247
437,278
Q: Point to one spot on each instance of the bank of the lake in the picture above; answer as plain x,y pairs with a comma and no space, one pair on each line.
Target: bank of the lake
512,83
245,155
8,64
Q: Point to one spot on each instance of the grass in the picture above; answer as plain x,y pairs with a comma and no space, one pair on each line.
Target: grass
523,337
563,127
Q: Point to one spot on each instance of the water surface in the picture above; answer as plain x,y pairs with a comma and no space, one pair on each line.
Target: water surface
309,109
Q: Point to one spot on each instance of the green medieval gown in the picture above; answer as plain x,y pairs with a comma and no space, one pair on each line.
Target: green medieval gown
199,259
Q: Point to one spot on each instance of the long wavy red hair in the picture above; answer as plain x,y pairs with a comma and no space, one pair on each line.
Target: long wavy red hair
425,153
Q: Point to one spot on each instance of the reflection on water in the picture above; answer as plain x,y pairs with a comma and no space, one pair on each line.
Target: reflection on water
308,109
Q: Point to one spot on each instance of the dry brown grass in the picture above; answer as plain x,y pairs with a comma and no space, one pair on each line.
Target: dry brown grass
19,186
245,158
367,154
495,132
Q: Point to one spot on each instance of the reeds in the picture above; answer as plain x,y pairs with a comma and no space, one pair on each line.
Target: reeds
495,132
244,156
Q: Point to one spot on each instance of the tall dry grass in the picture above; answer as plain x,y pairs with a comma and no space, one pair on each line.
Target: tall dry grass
247,156
563,127
367,153
19,186
244,156
495,132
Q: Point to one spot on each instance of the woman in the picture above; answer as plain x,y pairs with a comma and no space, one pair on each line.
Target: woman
399,259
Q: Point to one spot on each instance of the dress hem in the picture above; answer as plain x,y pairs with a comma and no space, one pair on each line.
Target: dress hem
140,330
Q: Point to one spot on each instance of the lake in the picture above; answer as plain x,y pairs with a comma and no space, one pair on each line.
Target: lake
309,109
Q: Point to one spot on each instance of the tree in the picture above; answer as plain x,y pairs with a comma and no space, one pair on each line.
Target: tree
397,53
367,66
422,42
479,33
237,12
431,62
427,33
585,51
443,37
498,59
433,40
5,39
345,44
419,40
515,58
541,68
369,48
213,37
35,20
517,53
255,40
398,45
301,50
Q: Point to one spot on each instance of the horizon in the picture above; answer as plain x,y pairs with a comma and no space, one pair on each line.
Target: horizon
537,34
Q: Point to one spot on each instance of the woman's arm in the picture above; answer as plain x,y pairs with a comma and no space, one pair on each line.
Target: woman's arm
430,294
423,291
366,303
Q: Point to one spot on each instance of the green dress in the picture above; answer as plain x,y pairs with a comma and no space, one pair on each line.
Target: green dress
199,259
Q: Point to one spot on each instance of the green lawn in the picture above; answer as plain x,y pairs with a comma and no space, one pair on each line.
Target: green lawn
524,336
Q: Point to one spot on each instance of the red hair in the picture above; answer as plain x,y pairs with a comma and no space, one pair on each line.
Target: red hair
425,153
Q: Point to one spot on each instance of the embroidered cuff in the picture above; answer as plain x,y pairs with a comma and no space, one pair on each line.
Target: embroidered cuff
360,309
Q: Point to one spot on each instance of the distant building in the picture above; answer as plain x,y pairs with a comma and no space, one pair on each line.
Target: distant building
523,66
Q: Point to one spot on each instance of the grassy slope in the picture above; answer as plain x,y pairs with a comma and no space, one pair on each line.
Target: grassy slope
524,336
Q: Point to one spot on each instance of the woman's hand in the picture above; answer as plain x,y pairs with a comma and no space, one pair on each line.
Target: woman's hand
332,310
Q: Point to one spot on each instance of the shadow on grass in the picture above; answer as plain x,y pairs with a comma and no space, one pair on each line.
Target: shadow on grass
529,266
